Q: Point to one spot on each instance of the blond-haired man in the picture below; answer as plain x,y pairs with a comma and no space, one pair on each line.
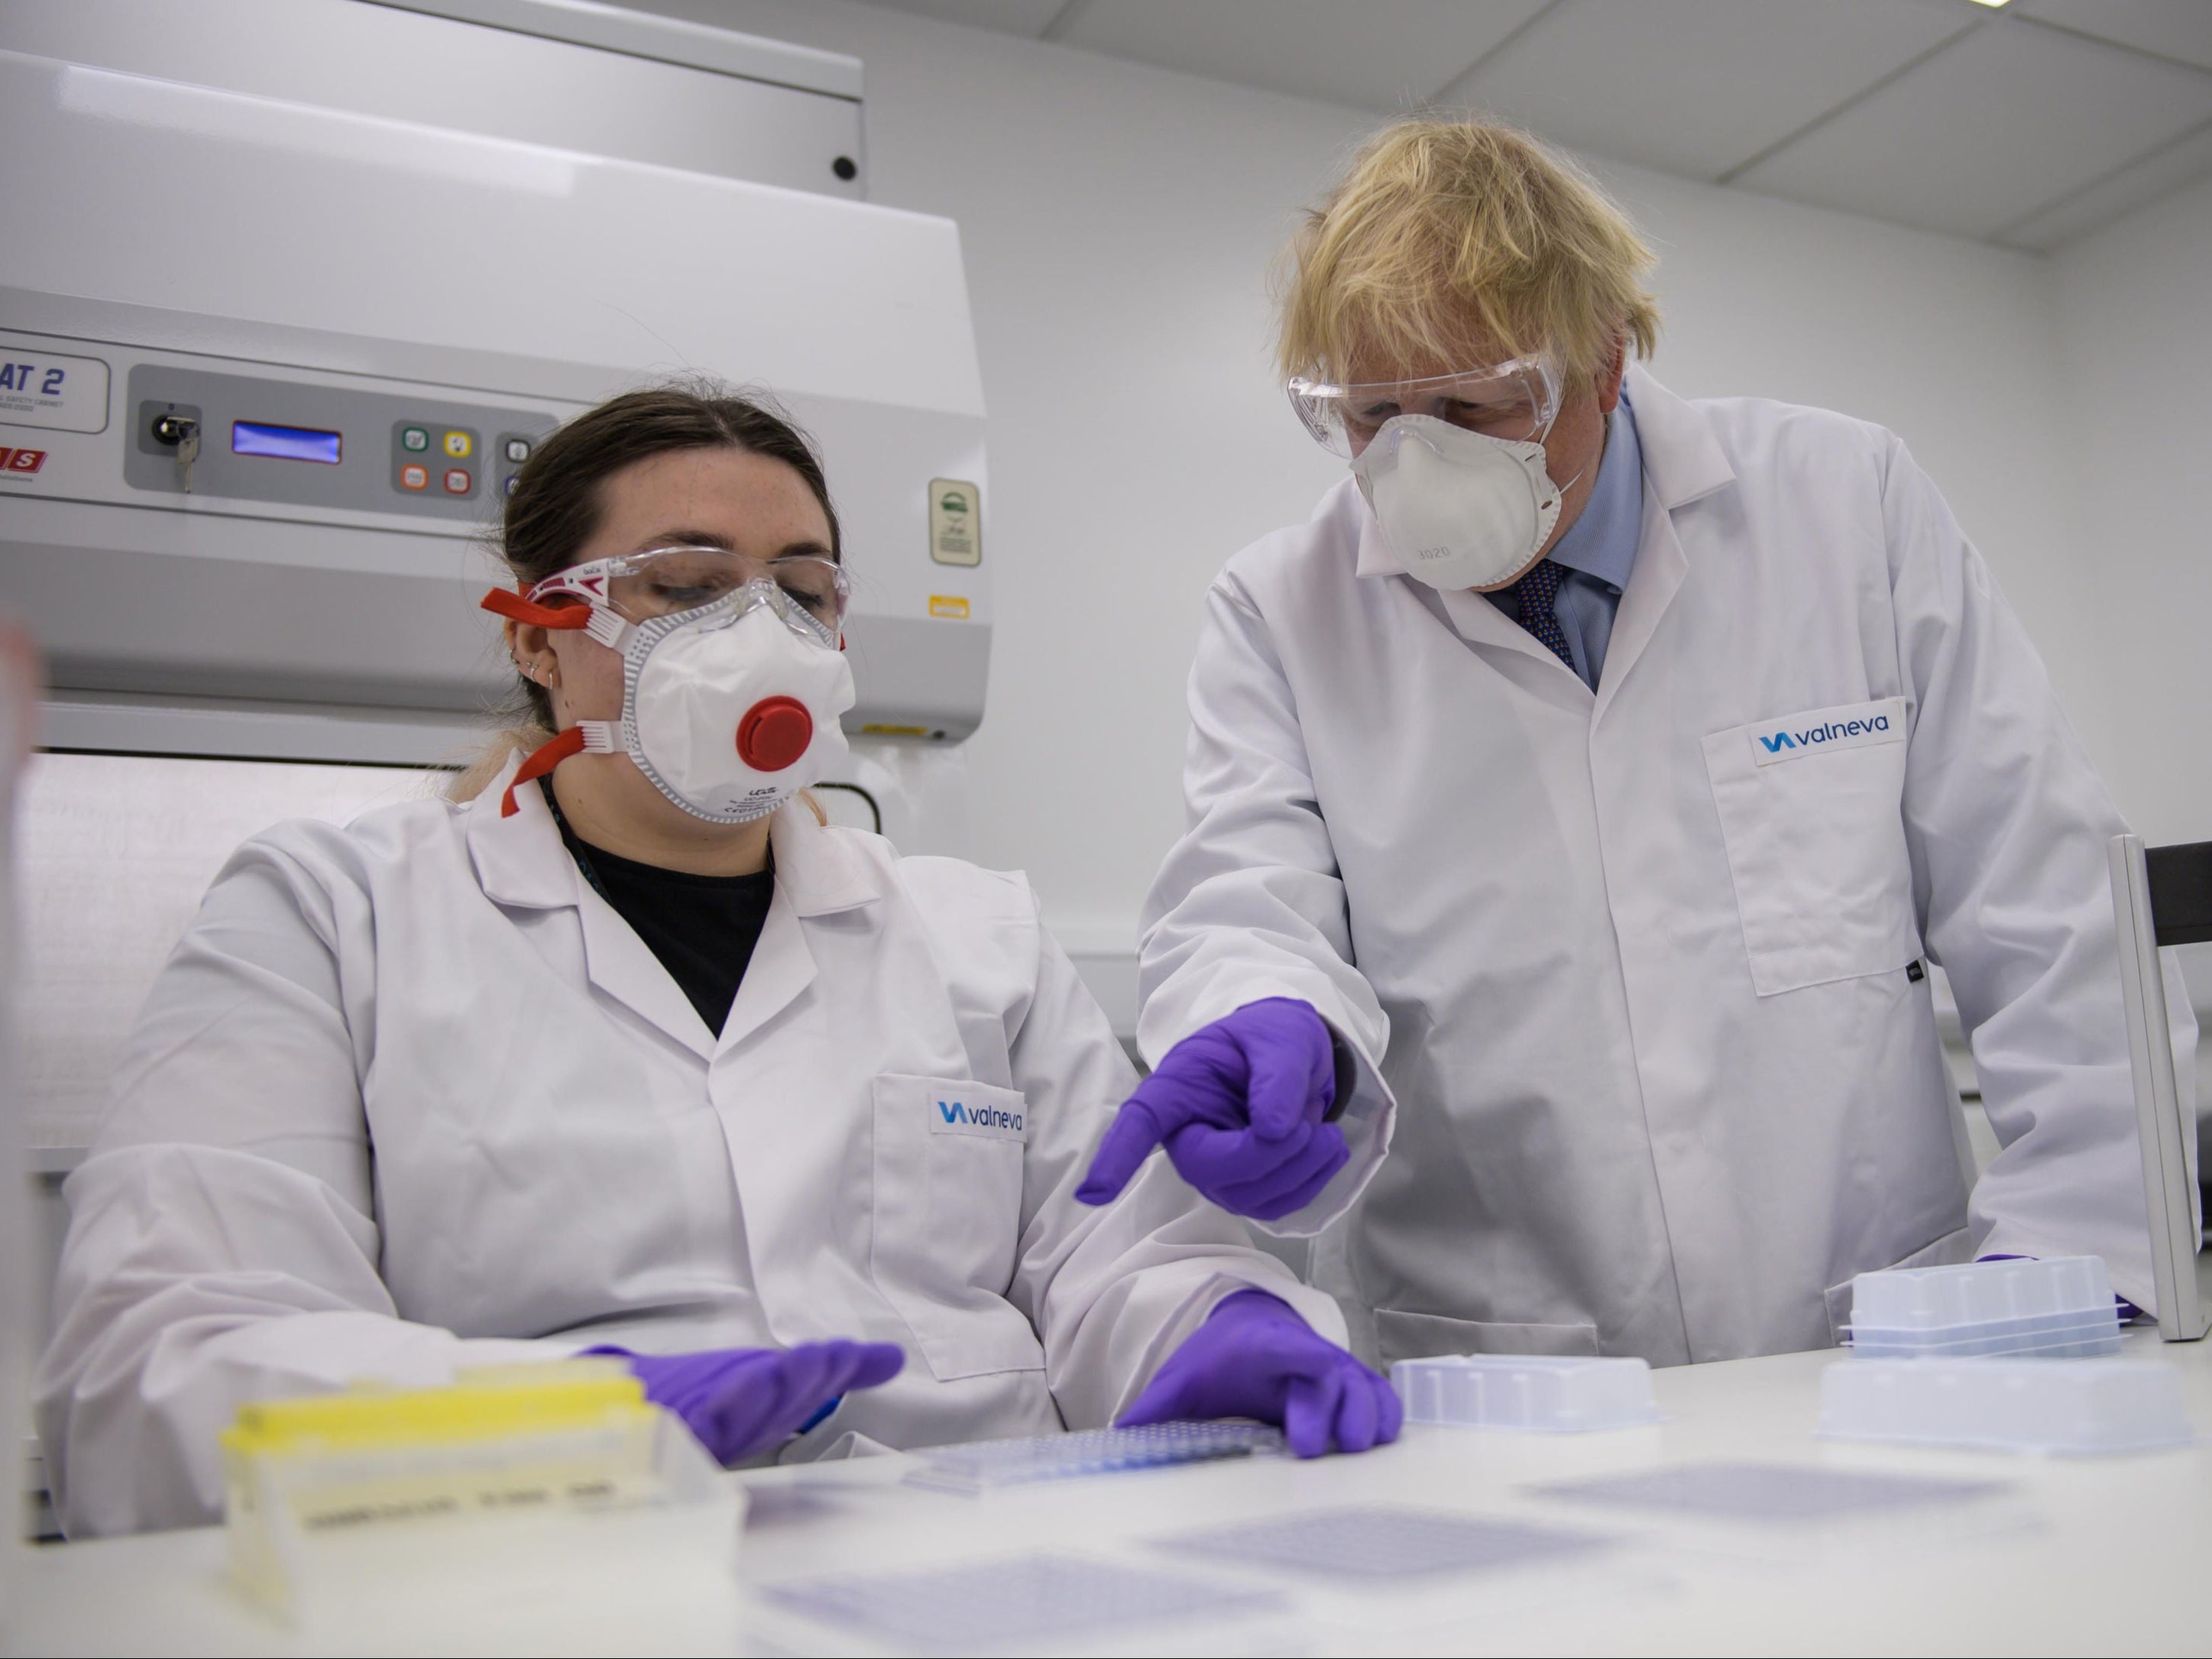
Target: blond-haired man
1582,791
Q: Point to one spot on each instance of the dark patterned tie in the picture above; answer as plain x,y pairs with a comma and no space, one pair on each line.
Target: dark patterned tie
1535,593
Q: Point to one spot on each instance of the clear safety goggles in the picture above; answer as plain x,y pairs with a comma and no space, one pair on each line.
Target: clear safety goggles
1516,402
667,581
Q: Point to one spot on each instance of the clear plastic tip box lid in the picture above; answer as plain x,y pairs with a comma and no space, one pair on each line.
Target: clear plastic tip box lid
2060,1308
1526,1391
2080,1407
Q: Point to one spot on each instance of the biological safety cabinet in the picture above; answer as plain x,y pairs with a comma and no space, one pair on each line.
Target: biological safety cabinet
290,289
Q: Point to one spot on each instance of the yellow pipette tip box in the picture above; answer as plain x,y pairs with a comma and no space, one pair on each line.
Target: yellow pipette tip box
315,1481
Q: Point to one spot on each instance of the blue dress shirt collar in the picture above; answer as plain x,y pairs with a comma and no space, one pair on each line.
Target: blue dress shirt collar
1601,544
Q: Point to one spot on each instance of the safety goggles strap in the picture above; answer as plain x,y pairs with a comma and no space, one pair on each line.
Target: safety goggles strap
516,608
594,620
598,736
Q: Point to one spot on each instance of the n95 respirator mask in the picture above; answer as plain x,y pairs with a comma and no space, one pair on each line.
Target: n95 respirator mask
1459,510
729,709
732,715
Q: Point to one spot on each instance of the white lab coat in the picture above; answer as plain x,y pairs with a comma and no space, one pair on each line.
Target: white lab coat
409,1096
1664,1077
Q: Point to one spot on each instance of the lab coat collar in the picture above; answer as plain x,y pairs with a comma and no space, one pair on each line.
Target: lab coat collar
1683,462
522,861
1660,569
1602,542
1375,558
1682,459
818,869
818,873
519,861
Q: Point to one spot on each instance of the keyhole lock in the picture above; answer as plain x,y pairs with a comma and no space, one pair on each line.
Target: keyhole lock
182,433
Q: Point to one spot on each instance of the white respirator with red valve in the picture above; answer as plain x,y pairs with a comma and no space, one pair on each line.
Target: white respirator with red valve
729,706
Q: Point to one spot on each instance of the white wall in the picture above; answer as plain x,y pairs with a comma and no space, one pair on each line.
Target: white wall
1119,222
2131,303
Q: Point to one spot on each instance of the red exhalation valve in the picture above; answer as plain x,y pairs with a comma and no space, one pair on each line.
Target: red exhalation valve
774,733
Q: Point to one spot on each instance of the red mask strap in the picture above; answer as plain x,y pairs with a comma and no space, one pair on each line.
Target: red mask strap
570,742
515,607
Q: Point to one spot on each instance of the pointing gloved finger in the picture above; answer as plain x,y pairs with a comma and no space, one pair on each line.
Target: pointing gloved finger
801,1379
1283,1090
781,1396
870,1364
1309,1413
1128,1141
811,1374
1287,1188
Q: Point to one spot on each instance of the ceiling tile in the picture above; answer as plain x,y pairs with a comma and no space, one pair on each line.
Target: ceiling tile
1697,86
2170,169
1007,17
2171,28
2010,119
1379,54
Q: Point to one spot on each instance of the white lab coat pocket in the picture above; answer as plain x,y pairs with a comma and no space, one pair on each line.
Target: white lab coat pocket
1811,811
947,1220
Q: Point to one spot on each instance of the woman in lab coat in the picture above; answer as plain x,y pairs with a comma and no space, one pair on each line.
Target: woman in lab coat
629,1052
1599,770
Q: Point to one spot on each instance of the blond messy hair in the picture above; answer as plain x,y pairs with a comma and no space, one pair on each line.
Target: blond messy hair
1451,242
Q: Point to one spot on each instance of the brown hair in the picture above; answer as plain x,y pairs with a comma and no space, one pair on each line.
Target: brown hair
554,508
1446,240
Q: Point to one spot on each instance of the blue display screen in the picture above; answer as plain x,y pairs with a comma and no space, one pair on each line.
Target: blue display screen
286,443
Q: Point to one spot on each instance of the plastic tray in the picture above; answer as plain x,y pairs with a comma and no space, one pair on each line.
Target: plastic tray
2061,1307
2081,1408
1549,1394
2070,1336
1981,1292
985,1464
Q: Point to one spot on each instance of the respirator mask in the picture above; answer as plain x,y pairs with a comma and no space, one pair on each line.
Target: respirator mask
733,672
1452,466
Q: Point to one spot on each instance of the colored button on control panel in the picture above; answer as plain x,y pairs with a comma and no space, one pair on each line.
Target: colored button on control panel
458,444
414,478
414,439
458,481
517,450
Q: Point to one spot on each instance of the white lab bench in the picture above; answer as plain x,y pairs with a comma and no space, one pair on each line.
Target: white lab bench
2102,1555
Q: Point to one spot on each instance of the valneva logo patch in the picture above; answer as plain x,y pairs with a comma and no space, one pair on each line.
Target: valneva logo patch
1800,735
960,1113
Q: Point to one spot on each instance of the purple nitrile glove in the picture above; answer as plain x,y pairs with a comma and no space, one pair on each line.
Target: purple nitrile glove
1240,1107
2127,1311
742,1401
1254,1357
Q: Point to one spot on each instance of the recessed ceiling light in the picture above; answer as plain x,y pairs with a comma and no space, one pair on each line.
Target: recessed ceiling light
1993,5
